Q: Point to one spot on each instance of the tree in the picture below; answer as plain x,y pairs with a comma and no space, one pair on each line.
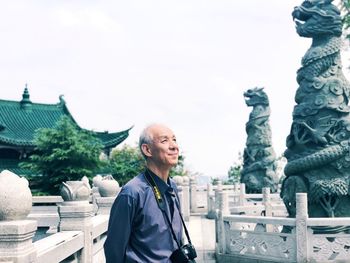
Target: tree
179,169
234,172
345,10
126,163
62,153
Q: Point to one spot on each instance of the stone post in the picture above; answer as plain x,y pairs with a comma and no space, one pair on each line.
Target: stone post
267,201
218,189
16,233
76,215
186,198
223,209
16,245
236,194
104,205
242,195
210,202
301,228
268,207
179,182
193,194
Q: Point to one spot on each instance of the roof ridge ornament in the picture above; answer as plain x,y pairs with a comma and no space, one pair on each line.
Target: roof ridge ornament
62,101
26,103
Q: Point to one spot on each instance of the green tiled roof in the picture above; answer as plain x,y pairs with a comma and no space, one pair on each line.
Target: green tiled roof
20,120
13,166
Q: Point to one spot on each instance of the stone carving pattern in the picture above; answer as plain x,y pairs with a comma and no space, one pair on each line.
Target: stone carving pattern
331,248
318,144
277,246
259,158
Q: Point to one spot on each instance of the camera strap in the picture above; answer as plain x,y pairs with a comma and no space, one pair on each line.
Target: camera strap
161,205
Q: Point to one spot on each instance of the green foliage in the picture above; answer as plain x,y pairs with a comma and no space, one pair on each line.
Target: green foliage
179,169
234,172
126,163
62,153
345,10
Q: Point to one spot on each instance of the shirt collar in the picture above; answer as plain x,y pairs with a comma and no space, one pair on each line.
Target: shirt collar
162,186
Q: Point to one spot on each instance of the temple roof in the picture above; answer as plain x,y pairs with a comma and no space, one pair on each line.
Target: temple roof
20,119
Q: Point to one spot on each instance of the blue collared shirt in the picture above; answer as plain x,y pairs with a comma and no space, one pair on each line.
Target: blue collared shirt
138,230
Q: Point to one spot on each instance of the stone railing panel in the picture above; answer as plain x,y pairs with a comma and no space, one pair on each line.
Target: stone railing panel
327,248
269,246
59,246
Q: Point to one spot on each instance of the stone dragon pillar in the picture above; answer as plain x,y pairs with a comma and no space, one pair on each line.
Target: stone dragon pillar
318,151
259,158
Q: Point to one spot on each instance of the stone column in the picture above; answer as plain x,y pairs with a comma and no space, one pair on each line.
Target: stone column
301,228
16,233
193,194
76,215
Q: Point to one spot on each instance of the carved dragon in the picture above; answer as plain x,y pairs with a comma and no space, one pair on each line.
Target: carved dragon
318,143
259,166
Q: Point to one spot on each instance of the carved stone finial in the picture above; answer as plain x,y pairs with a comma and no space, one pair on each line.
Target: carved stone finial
15,197
75,191
108,186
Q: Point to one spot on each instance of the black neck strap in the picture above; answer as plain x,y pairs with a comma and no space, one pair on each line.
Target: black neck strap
161,205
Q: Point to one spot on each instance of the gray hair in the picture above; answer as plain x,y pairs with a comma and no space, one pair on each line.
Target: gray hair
145,138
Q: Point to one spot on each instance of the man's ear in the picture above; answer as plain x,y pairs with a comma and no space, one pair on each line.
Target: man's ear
146,150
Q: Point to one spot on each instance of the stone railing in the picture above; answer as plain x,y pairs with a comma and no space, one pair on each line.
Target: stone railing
239,202
261,239
78,237
45,212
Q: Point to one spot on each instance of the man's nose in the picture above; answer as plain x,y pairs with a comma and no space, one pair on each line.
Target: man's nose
173,145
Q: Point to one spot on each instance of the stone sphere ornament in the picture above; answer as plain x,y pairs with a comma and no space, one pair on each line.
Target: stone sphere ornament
108,186
15,197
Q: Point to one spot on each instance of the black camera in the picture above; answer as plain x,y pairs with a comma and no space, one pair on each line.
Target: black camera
186,253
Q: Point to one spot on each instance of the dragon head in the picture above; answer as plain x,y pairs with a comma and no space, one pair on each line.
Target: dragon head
317,18
256,96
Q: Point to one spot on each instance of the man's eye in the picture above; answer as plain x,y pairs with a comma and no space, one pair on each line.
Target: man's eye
165,140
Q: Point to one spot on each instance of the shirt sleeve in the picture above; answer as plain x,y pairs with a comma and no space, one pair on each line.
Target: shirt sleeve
119,229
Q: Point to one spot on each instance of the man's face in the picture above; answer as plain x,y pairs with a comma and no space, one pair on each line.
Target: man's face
164,150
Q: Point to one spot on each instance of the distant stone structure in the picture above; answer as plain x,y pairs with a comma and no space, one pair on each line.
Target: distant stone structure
318,144
259,158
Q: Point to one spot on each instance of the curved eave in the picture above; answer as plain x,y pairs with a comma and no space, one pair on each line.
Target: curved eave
14,142
117,138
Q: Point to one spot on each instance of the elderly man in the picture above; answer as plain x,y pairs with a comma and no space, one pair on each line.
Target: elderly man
145,224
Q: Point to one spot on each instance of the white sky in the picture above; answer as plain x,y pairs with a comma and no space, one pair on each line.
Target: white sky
185,63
